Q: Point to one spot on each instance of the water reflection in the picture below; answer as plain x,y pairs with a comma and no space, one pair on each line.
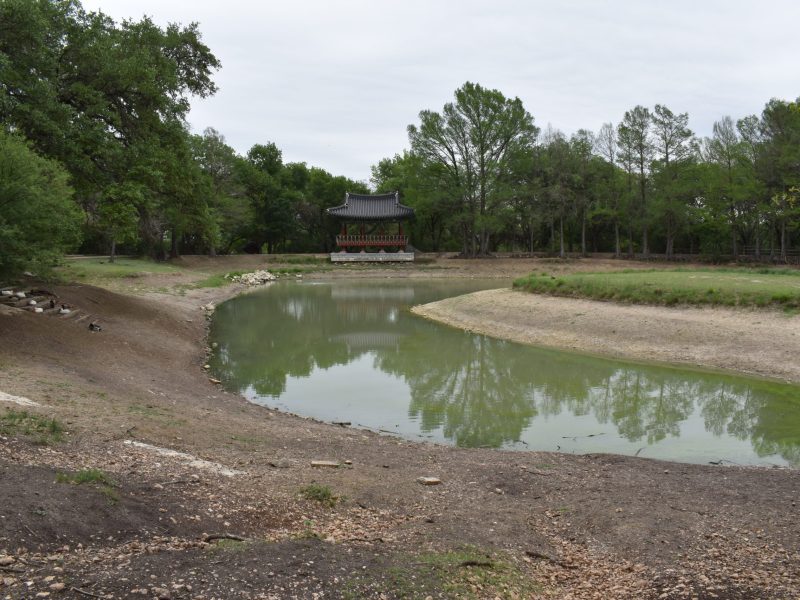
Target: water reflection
351,351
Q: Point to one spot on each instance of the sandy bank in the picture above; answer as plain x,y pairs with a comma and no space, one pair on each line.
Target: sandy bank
758,342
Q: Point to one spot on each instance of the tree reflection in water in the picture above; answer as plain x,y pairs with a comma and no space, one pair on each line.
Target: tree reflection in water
476,390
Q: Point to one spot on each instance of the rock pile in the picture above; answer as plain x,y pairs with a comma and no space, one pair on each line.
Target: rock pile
254,278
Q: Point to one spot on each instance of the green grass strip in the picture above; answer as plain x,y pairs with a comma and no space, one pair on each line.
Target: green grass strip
715,287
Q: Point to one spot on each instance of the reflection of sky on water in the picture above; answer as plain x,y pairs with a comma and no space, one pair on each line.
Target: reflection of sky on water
350,351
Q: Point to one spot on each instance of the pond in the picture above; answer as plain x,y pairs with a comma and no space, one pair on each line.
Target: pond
350,351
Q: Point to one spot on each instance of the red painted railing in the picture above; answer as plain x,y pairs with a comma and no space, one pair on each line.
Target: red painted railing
378,241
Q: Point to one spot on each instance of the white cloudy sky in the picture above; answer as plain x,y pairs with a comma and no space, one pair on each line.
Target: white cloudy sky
335,83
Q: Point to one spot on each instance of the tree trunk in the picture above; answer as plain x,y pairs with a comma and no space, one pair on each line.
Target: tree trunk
561,236
783,240
583,234
758,236
617,247
531,240
645,248
113,254
173,250
630,240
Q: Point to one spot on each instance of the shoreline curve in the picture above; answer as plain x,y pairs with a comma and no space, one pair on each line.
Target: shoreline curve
755,342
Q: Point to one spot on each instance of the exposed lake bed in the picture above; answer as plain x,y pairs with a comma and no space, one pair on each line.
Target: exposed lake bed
578,526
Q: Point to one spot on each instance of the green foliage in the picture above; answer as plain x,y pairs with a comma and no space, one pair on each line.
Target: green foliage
319,493
461,573
86,476
108,100
104,483
99,268
477,142
40,429
734,287
38,219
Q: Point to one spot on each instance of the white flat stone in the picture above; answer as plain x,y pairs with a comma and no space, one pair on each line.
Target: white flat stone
192,461
325,463
17,400
429,480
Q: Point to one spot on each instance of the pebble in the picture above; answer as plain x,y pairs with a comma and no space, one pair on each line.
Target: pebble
429,480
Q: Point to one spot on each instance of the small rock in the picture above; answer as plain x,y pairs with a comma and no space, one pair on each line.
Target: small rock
6,293
325,463
158,486
57,587
6,560
348,462
281,463
161,593
32,303
38,309
20,295
212,380
206,367
429,480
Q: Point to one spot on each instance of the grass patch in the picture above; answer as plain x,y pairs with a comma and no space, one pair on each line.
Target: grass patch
86,476
295,259
105,484
319,493
215,281
30,425
463,573
717,287
99,267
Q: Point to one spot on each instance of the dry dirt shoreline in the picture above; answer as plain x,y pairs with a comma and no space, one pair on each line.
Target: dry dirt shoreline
534,525
754,342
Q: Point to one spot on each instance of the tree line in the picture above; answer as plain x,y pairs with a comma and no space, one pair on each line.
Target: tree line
96,156
483,178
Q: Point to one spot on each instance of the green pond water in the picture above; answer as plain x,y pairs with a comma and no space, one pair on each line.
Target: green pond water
351,351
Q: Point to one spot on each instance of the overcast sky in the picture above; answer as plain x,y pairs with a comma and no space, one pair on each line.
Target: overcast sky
335,83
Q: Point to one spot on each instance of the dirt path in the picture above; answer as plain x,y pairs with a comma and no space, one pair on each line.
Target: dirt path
760,342
207,463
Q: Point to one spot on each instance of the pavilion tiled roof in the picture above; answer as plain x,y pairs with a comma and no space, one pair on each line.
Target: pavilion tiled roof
379,207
